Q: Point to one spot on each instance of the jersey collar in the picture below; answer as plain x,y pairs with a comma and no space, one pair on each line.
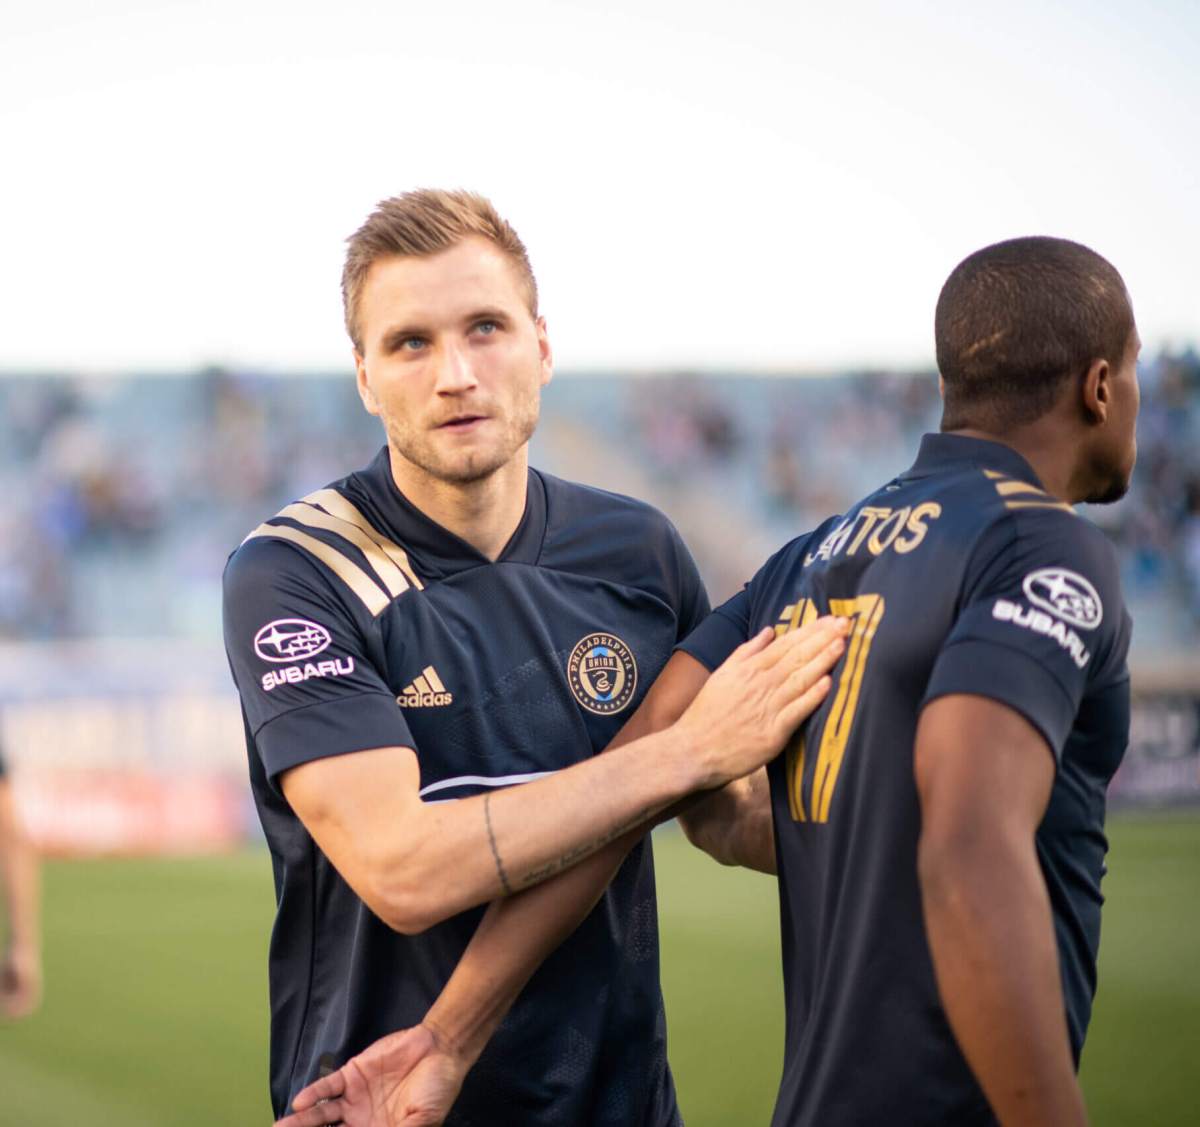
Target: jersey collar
939,451
436,545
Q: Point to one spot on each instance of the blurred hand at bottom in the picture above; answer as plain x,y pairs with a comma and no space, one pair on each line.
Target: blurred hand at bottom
20,983
402,1080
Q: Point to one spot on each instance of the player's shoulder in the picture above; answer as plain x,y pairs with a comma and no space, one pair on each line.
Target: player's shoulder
1036,525
1053,558
264,554
270,545
613,523
568,502
1062,526
1070,557
800,551
610,536
298,544
1018,514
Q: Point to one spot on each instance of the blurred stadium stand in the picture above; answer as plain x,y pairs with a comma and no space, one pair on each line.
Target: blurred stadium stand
125,496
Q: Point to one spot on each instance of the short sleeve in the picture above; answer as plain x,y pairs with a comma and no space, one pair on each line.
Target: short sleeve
1042,623
721,632
301,661
732,623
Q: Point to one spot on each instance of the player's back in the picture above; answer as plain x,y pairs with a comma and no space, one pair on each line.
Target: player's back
894,565
939,571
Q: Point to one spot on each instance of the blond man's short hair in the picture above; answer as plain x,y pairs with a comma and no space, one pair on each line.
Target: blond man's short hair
424,222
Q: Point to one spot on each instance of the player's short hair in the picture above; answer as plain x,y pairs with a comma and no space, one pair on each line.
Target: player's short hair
1016,320
424,222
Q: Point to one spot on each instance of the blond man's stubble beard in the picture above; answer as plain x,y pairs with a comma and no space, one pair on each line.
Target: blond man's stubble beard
419,451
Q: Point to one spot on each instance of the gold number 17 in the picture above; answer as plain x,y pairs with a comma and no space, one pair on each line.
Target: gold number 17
866,612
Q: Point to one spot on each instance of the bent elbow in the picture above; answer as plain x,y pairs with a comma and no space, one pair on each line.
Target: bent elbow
699,832
409,924
404,904
692,831
404,919
408,915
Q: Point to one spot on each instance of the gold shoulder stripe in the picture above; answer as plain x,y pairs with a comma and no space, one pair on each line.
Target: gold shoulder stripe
393,578
335,504
992,474
1007,488
1040,505
346,570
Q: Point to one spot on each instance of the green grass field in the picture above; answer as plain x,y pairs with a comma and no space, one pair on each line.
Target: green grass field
155,1013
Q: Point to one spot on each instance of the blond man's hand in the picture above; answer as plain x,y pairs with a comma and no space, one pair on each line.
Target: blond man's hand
405,1079
749,708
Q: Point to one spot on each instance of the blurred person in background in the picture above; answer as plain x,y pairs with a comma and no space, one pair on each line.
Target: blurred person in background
21,963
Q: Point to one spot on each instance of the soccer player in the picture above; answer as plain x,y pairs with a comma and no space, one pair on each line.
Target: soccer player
429,654
21,963
938,825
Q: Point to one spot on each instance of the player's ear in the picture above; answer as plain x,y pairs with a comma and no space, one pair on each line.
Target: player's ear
1096,392
545,351
364,386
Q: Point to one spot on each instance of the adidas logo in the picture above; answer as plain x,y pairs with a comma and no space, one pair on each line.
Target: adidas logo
426,691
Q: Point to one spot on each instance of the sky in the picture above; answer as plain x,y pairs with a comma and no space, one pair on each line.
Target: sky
764,186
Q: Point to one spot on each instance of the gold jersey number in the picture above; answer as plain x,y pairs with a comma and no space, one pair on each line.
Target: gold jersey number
866,613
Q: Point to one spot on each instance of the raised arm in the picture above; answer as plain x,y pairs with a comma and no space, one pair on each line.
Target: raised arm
21,965
412,1077
416,863
984,775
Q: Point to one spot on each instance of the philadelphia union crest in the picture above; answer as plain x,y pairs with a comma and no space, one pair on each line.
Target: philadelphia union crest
602,673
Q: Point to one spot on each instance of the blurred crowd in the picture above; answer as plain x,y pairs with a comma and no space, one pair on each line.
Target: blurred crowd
793,451
124,496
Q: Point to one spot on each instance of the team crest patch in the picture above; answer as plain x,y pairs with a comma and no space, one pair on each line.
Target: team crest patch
602,673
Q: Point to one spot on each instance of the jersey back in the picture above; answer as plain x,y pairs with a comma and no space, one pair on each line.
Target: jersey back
960,576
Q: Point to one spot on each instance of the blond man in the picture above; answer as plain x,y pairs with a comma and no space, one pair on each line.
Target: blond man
430,654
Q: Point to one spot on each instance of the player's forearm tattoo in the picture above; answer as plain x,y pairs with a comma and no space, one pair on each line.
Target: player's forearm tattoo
571,856
487,818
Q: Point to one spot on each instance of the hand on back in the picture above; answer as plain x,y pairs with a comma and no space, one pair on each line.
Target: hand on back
752,704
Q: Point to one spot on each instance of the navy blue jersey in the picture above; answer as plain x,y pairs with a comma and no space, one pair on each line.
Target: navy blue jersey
960,576
353,621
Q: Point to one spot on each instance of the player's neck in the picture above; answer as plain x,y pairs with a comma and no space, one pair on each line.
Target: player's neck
1053,460
484,513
